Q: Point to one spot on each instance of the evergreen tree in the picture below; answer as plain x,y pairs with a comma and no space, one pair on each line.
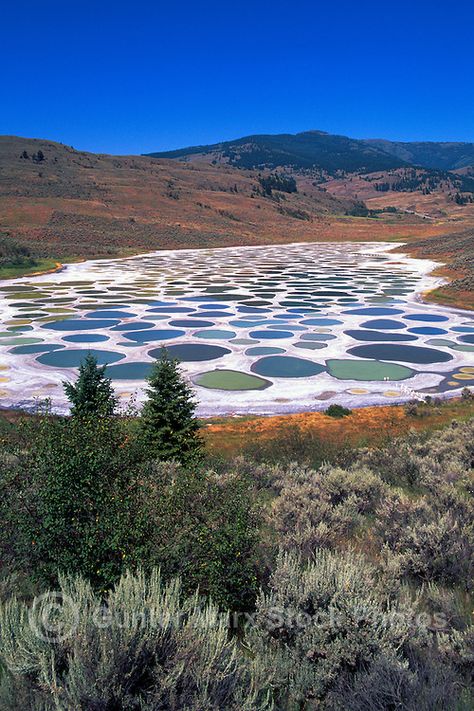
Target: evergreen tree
92,394
168,423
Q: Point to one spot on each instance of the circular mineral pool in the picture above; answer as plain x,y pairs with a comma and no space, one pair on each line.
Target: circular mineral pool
188,352
426,317
40,348
286,367
110,314
360,335
72,358
129,371
383,323
405,354
311,345
252,310
467,339
374,311
271,334
134,326
230,380
189,323
161,334
85,338
211,314
367,370
427,331
321,322
318,337
74,324
171,310
463,329
19,340
264,350
216,333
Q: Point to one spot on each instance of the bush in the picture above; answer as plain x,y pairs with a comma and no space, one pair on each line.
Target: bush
70,502
433,541
329,631
145,646
337,411
204,528
321,509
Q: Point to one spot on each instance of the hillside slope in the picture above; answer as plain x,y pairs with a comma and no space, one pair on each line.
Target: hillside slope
68,203
429,154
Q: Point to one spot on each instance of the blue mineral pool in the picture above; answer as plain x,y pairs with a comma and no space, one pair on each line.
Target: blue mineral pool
163,334
404,354
286,367
85,338
189,352
73,358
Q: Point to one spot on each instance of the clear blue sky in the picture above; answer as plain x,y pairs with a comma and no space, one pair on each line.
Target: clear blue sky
131,77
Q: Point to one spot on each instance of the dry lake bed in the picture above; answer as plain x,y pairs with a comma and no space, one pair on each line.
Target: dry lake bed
257,329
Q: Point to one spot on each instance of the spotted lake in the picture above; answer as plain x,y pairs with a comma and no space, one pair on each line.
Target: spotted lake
257,329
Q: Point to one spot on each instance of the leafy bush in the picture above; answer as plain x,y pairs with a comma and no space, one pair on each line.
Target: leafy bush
330,633
337,411
145,646
204,528
432,540
321,509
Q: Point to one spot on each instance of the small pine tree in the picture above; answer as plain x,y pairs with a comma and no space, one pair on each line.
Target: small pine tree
92,394
168,424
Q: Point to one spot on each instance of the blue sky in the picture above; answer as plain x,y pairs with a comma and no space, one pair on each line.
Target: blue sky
131,77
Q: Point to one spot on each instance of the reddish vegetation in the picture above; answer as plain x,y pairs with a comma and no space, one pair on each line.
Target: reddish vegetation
366,426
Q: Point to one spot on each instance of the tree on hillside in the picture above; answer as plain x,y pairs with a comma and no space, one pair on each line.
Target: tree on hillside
168,422
92,394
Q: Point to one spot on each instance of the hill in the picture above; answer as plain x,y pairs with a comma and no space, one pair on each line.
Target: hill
61,203
429,154
317,150
307,150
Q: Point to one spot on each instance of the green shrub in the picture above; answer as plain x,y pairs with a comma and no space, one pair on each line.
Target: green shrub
322,508
145,646
329,632
337,411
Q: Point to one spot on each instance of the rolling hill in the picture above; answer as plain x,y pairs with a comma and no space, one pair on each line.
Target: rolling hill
320,151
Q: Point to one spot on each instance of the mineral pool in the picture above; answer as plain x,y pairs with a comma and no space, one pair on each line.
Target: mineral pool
256,329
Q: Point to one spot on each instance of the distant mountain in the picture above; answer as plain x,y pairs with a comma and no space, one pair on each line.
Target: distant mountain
308,150
441,156
317,150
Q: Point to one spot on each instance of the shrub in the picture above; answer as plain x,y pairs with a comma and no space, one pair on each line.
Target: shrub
70,501
321,509
337,411
329,630
145,646
204,528
432,541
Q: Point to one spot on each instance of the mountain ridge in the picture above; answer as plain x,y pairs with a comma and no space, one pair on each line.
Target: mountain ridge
316,149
